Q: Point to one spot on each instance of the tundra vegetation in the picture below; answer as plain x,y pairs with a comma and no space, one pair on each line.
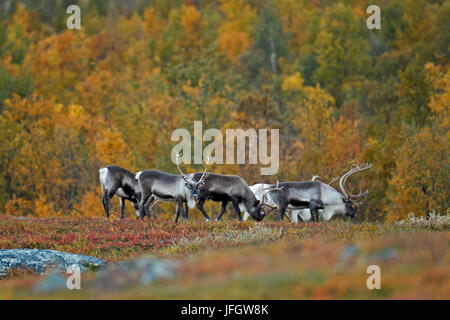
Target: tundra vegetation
233,259
113,92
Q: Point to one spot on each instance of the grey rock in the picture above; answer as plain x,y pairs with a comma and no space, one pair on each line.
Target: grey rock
43,261
130,273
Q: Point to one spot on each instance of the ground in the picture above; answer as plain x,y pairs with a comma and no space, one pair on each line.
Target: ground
245,260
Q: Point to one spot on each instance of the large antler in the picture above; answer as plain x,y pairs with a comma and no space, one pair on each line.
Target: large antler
205,173
315,177
355,169
270,189
333,180
185,178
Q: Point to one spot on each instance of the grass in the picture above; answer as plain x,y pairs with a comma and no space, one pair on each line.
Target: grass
246,260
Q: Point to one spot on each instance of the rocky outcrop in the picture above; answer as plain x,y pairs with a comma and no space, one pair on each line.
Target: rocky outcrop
44,261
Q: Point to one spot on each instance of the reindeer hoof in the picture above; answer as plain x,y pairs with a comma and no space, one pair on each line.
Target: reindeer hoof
208,220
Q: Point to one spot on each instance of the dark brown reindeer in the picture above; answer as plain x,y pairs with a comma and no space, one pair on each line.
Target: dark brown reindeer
316,195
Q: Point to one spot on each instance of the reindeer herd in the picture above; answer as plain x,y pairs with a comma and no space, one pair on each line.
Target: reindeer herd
302,200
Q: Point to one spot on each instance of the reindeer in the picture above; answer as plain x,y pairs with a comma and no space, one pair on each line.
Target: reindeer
316,195
227,188
260,189
162,186
118,181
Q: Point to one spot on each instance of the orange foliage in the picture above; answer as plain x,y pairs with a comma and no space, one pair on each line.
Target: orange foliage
234,36
190,19
114,91
112,149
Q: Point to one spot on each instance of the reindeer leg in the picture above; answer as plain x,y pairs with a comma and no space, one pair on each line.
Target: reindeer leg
178,212
292,215
105,205
314,210
281,208
180,205
122,207
236,208
106,197
222,210
186,210
280,211
202,210
142,209
147,205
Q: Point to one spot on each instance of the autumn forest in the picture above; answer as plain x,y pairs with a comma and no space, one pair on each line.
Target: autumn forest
72,101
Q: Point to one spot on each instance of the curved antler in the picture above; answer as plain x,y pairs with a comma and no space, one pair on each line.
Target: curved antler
205,173
333,180
360,195
315,177
185,178
355,169
270,189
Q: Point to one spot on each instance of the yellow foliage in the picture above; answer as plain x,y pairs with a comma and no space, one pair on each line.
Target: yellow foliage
19,207
91,204
440,102
420,181
233,43
153,23
43,208
234,32
57,63
111,149
293,83
324,146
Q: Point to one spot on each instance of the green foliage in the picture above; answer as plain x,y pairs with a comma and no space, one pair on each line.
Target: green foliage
10,85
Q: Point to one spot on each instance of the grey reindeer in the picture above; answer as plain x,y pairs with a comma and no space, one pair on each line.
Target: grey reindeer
163,186
317,195
118,181
226,188
260,189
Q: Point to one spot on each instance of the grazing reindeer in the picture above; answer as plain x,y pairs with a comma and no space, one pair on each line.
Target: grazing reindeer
118,181
228,188
260,189
162,186
316,195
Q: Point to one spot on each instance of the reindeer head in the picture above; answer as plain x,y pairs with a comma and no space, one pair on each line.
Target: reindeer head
265,207
350,199
191,184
